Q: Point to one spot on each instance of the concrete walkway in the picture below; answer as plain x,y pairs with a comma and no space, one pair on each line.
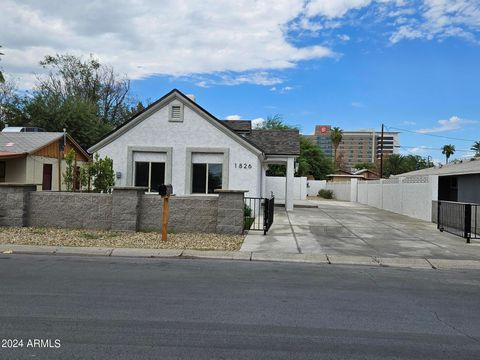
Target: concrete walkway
337,228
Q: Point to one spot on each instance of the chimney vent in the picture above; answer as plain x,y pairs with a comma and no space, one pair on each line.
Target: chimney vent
191,97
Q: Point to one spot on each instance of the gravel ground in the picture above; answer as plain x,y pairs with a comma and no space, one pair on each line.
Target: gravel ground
96,238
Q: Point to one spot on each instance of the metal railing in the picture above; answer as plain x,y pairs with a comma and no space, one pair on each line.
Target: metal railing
461,219
259,213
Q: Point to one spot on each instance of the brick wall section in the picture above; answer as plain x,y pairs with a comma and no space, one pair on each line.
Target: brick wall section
187,213
14,204
70,210
230,211
126,209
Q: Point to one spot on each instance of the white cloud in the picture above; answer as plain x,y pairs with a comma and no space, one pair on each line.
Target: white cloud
213,42
256,123
454,123
357,104
418,150
409,123
233,117
281,90
440,19
147,37
333,8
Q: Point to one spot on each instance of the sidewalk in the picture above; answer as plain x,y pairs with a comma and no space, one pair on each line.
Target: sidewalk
321,259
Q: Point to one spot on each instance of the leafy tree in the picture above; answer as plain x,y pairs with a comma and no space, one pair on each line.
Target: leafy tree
336,135
476,147
70,76
99,173
83,96
275,122
448,150
394,165
312,161
68,175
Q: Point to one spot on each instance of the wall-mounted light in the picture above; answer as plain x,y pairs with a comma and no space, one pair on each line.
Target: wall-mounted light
118,175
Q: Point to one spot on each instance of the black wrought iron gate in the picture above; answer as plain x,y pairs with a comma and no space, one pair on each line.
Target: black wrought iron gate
462,219
259,213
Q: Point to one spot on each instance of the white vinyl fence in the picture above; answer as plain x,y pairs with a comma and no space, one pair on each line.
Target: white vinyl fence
314,186
276,184
410,195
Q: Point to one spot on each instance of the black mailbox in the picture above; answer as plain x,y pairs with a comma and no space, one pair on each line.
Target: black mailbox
165,190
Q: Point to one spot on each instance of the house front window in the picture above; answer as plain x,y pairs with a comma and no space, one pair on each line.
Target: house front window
149,174
206,178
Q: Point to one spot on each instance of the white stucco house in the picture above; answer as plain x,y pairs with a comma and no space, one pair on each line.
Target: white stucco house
176,141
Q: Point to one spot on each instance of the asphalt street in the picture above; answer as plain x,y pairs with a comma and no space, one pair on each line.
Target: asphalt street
105,308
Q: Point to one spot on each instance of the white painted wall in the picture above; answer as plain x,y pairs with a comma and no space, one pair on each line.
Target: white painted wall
194,131
276,184
314,186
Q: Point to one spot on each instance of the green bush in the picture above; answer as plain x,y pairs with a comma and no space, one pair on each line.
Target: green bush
247,217
326,194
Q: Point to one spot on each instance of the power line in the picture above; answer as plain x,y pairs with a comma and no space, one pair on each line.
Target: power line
427,148
432,135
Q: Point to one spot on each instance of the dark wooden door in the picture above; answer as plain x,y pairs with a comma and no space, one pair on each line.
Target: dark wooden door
47,177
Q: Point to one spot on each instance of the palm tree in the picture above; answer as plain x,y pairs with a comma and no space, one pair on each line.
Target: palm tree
448,150
476,147
336,135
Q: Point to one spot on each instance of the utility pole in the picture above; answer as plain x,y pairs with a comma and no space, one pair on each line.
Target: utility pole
381,155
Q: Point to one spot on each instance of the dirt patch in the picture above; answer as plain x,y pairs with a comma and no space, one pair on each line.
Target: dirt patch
96,238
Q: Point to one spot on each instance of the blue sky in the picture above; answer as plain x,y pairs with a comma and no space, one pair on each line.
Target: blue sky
411,65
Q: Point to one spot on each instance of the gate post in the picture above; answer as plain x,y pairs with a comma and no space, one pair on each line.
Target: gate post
468,222
231,204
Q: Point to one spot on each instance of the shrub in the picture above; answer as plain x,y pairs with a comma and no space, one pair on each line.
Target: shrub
326,194
247,217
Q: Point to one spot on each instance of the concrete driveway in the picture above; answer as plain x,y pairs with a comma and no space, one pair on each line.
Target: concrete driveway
344,228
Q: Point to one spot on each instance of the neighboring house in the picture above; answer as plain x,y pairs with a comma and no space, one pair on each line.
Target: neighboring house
367,174
35,158
176,141
344,176
456,181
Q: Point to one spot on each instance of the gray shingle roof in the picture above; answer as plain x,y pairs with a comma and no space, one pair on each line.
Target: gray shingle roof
239,125
276,142
26,142
272,142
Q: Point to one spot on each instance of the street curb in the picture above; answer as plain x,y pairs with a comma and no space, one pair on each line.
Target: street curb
319,259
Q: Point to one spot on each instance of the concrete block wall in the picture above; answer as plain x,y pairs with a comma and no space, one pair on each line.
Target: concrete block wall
14,204
126,209
187,213
70,210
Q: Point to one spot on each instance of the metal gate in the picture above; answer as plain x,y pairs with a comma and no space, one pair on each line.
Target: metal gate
259,213
461,219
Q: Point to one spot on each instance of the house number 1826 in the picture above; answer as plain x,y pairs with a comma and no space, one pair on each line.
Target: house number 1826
243,166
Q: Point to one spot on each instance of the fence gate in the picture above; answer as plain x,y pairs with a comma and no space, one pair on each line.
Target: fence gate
461,219
259,213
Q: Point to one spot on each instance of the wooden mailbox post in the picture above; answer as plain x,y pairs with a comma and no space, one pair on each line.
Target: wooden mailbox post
165,191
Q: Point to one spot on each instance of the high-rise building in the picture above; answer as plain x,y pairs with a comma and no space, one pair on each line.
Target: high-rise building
356,146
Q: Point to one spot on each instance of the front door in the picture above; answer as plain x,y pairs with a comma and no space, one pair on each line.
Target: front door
47,177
